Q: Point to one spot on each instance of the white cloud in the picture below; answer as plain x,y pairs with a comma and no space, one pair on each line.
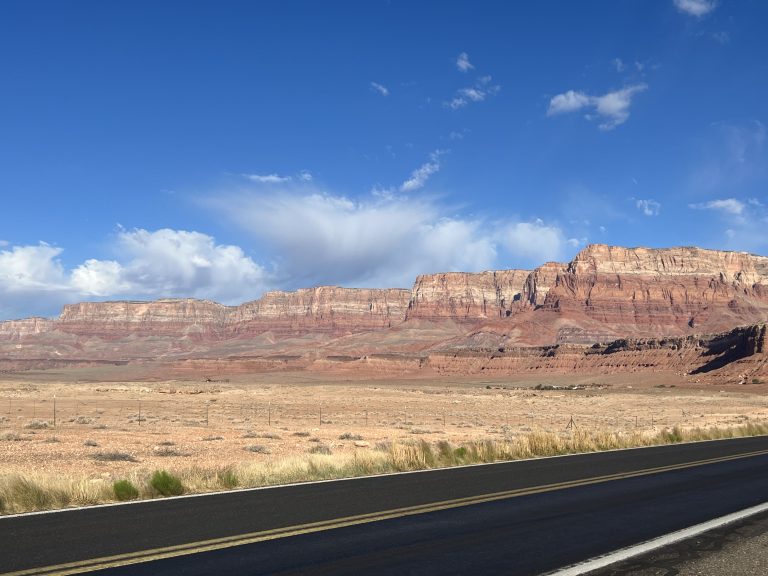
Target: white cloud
568,102
381,240
420,176
267,178
727,205
534,241
618,64
380,88
482,89
305,176
320,238
32,281
612,107
696,8
648,207
31,268
163,263
172,263
463,63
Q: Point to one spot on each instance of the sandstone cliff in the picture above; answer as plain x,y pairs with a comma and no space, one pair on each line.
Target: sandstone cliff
609,291
165,317
323,309
463,296
15,329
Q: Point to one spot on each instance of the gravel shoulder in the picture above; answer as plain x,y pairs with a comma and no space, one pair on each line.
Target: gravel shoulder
738,549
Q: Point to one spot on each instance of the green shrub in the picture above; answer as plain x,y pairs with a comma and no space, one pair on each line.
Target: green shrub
125,490
166,483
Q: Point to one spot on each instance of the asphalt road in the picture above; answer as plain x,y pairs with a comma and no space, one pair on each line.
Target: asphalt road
537,515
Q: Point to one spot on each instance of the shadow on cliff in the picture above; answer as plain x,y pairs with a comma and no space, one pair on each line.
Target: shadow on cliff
735,345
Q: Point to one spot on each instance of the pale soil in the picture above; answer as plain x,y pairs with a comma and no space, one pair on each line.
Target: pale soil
305,410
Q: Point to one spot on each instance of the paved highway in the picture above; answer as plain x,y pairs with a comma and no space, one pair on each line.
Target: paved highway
525,517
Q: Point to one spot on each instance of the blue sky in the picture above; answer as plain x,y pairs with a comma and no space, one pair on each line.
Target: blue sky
220,149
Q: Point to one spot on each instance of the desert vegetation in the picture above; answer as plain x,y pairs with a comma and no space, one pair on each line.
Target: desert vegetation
38,491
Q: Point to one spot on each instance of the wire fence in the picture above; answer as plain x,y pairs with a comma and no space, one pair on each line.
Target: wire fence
69,412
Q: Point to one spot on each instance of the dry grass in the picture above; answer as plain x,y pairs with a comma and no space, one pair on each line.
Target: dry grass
42,492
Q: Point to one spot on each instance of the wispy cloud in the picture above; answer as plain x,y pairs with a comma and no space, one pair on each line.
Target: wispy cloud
380,88
697,8
420,176
303,176
320,237
481,90
611,108
745,223
267,178
727,205
731,157
648,207
618,64
463,64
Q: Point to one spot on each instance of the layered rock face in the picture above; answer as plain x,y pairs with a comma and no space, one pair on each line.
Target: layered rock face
166,317
641,291
463,296
328,309
540,282
325,309
15,329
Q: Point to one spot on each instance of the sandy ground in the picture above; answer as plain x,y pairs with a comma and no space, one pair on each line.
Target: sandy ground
178,424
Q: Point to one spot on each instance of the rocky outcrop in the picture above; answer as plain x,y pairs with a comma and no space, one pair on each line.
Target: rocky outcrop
328,309
464,296
642,291
540,282
739,356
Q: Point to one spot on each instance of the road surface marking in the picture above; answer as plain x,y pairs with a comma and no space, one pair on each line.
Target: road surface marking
84,566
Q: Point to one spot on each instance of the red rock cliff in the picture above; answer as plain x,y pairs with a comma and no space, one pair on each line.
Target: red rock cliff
674,291
465,296
323,309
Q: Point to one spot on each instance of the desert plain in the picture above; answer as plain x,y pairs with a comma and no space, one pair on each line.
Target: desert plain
106,424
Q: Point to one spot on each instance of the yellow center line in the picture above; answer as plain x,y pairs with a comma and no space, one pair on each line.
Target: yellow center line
91,565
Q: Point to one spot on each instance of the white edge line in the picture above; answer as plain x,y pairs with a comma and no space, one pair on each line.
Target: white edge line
353,478
656,543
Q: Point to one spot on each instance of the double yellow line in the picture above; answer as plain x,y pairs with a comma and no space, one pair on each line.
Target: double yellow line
84,566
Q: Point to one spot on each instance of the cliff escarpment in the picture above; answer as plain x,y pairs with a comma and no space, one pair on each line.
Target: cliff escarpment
463,296
606,292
